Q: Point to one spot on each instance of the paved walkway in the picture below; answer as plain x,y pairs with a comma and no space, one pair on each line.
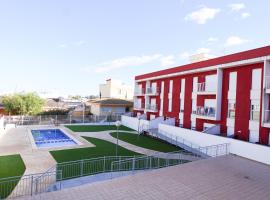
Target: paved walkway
18,141
105,135
222,178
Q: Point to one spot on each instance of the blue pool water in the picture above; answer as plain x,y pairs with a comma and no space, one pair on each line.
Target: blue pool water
51,138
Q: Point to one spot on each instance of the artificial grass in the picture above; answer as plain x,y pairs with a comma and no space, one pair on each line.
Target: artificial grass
145,142
96,128
103,148
10,166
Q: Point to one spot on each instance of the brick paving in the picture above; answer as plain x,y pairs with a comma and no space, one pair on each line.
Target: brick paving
223,178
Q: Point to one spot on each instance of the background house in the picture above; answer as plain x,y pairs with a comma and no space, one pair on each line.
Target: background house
109,106
115,89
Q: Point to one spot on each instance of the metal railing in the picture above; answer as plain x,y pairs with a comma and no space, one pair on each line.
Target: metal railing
86,167
155,161
152,91
207,151
59,119
29,185
139,106
202,87
206,111
152,107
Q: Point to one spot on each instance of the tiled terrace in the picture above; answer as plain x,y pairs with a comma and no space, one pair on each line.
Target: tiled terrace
227,177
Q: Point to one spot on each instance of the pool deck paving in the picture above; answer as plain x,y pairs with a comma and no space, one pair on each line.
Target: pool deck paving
222,178
19,141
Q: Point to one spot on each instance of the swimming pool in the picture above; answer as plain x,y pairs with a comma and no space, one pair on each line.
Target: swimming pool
51,138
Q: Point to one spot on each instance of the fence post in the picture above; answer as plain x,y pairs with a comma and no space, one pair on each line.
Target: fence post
104,164
32,181
81,167
60,179
133,164
36,183
150,162
216,151
69,119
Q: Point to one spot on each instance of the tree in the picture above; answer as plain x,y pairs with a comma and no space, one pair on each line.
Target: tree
23,104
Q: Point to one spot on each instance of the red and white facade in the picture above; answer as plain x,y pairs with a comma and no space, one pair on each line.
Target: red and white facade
229,93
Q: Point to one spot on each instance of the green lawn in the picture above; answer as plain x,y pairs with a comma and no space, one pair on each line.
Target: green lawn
96,128
146,142
10,166
103,148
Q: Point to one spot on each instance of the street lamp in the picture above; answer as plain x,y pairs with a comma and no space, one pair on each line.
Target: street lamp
83,111
117,124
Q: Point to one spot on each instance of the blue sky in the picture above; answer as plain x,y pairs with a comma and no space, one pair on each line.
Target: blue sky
72,46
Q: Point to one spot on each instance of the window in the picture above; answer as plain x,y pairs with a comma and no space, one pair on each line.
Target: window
181,106
194,106
171,86
182,100
211,83
256,79
255,110
195,84
161,99
170,105
231,109
170,96
232,83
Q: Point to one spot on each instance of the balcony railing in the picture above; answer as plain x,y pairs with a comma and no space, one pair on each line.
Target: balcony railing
202,87
206,111
152,107
267,82
139,91
152,91
139,106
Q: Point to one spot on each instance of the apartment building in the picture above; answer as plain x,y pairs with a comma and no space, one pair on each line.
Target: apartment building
228,95
115,89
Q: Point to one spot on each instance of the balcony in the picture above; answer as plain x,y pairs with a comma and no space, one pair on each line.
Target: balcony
139,92
206,112
152,91
139,106
151,107
202,88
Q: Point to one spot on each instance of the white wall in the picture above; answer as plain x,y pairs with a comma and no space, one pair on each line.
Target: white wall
116,89
247,150
133,122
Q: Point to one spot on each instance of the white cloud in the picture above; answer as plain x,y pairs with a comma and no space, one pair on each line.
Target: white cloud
128,61
202,15
203,50
245,15
63,45
235,40
79,43
212,40
167,60
237,6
